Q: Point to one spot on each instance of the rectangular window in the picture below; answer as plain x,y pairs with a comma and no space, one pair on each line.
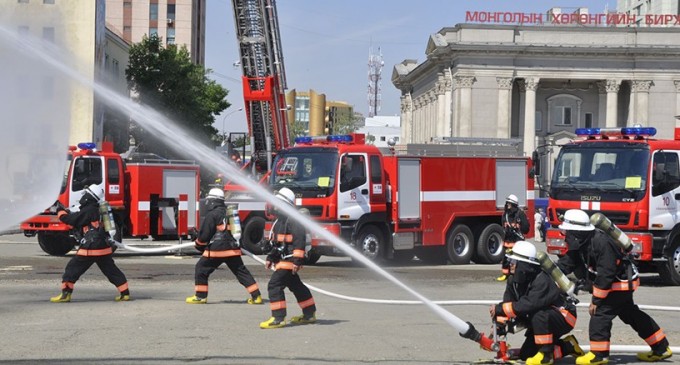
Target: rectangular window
22,1
48,1
127,4
48,34
170,36
113,172
382,138
171,12
589,120
376,170
153,31
153,11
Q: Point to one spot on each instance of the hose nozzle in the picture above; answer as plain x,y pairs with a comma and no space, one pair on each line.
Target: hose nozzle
486,343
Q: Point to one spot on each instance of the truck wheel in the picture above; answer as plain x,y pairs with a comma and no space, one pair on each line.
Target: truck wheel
459,246
312,257
490,245
55,244
670,270
253,233
371,243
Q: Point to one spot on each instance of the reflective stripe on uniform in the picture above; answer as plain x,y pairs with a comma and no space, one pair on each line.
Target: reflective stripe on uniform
67,285
277,305
201,288
543,339
284,265
123,287
252,288
225,253
306,303
299,253
286,238
655,338
570,318
98,252
600,346
507,308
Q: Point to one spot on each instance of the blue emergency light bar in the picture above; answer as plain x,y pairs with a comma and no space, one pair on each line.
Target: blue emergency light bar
321,139
87,145
626,131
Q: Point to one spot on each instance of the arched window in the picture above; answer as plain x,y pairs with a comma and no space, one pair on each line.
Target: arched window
564,110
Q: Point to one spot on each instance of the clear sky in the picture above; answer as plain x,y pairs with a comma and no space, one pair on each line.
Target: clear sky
326,43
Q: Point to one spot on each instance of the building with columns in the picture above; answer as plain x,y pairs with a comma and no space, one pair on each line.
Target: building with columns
537,83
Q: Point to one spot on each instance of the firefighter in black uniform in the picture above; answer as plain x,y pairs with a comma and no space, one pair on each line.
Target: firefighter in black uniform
218,246
603,269
95,246
533,300
516,225
288,239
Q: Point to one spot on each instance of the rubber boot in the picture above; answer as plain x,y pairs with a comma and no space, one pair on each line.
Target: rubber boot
256,300
304,319
653,356
196,300
502,278
273,323
591,359
64,297
541,358
573,346
123,298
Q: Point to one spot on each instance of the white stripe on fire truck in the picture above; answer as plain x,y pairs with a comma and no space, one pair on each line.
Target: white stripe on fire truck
434,196
596,205
145,206
584,205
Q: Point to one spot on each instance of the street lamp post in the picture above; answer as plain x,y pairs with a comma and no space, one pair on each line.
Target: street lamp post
224,120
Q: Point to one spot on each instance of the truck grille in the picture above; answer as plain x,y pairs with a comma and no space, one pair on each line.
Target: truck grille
618,218
314,210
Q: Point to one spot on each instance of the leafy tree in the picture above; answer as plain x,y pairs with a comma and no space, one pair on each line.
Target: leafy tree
344,124
167,80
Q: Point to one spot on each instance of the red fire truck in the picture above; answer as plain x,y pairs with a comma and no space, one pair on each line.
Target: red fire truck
149,195
631,178
422,201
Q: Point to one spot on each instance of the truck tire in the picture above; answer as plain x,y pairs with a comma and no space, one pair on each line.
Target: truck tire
459,245
55,244
252,235
670,270
312,257
490,245
371,243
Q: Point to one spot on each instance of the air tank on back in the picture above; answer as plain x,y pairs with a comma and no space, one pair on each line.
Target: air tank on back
600,221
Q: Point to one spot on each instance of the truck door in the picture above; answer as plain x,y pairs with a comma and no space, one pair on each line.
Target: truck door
665,177
353,196
86,171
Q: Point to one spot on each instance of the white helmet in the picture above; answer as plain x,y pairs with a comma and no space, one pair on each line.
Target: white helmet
286,195
216,193
576,220
95,191
524,251
512,199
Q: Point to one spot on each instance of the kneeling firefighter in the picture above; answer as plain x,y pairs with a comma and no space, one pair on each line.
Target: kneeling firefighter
288,239
532,299
219,246
95,245
600,260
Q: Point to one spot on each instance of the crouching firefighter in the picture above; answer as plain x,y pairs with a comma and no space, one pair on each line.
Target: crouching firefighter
95,245
600,260
218,245
288,239
533,300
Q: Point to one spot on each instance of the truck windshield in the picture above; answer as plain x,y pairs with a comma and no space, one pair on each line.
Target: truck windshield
310,173
614,171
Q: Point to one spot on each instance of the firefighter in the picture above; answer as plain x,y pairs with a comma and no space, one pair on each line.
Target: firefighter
288,239
533,300
95,246
218,246
516,225
610,275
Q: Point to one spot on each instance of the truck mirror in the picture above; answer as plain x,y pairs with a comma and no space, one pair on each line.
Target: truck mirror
536,160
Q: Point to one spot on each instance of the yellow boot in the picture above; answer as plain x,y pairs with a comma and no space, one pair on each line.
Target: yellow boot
591,359
540,359
273,323
578,351
64,297
303,319
257,300
651,356
196,300
502,278
123,298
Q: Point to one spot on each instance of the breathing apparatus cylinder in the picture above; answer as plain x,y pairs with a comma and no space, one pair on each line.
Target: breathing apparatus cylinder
234,221
106,215
622,240
562,281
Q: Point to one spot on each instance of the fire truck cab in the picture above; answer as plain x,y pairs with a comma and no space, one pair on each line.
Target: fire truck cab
631,178
397,206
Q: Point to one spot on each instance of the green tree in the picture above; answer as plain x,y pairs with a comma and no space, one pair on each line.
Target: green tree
344,124
167,80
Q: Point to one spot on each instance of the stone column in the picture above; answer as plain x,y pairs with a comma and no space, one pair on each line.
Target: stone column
406,119
531,85
440,92
432,115
602,104
455,107
504,95
612,87
448,92
641,88
465,114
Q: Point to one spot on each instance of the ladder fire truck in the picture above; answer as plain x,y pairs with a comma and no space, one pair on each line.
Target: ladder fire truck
264,85
149,196
634,180
439,202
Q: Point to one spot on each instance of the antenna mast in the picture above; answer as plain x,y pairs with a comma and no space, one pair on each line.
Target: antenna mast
375,65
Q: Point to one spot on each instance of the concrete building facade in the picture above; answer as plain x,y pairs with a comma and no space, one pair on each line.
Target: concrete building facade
180,22
642,8
535,83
